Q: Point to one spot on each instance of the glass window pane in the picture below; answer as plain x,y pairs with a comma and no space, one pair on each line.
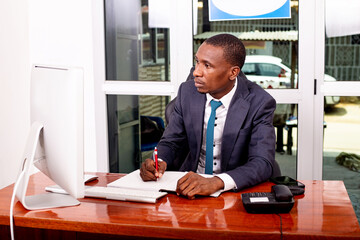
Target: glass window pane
135,125
271,70
133,50
342,58
341,159
271,45
285,123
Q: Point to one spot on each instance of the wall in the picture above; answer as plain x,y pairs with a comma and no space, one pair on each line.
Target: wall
14,85
45,32
61,34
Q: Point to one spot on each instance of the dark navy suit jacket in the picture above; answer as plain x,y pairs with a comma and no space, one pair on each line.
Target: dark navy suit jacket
248,141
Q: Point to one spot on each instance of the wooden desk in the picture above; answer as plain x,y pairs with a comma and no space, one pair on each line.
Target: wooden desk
324,212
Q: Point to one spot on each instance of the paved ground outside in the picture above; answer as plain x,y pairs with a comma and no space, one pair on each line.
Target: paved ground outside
343,128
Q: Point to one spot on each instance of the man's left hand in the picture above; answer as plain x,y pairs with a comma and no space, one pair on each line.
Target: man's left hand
193,184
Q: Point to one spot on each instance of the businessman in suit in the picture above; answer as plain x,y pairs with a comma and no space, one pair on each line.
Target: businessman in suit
243,149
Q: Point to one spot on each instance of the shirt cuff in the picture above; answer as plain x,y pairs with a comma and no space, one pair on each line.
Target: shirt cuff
229,183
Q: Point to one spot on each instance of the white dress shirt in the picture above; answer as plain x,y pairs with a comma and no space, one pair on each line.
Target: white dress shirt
221,113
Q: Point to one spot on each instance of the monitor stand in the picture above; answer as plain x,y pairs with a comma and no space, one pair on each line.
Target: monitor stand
39,201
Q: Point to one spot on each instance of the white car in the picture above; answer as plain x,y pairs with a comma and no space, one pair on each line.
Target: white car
270,72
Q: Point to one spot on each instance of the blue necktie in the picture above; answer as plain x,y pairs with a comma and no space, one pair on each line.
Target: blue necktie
210,138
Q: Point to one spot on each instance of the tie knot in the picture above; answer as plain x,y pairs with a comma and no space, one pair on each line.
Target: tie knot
215,104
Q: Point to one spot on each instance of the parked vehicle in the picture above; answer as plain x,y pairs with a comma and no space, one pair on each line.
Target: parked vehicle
270,72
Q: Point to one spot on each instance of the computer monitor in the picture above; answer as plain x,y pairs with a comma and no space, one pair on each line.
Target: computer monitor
55,144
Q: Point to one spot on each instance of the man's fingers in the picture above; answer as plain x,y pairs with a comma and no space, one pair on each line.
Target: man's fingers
190,191
147,170
150,165
193,184
185,184
162,167
146,175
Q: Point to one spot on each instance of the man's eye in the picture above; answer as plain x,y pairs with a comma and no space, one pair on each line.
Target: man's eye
207,65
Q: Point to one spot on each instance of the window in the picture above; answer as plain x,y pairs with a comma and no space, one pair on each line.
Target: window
265,64
271,70
133,50
134,53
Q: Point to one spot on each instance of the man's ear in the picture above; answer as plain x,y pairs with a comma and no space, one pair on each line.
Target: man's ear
235,70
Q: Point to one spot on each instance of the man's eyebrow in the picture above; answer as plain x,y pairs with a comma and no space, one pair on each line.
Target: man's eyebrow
203,61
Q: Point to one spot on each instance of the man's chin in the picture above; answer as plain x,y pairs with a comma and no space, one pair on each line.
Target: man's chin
201,90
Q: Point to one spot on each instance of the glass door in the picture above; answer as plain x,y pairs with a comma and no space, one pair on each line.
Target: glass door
279,59
134,78
337,107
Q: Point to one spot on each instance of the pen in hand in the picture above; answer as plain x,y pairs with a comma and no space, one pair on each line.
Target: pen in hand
156,161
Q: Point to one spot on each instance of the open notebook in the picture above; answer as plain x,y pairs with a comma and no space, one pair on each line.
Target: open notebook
167,182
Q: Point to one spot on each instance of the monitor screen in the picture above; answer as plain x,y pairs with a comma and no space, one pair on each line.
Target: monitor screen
56,140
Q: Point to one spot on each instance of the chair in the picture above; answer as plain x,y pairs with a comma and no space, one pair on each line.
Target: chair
169,109
152,129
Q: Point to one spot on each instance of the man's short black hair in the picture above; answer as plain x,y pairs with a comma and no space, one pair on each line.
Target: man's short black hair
234,50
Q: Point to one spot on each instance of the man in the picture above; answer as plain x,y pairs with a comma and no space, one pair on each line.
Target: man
243,148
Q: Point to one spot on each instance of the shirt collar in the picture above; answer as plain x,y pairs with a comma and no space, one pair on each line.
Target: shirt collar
226,99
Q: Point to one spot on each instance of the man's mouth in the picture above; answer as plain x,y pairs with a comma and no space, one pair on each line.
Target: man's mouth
198,83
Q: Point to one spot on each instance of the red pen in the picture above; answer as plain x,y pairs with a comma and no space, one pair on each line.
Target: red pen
156,160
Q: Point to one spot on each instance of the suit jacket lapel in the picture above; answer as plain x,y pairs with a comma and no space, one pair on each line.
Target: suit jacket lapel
235,118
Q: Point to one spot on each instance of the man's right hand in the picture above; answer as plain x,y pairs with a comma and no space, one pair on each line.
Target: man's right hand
148,170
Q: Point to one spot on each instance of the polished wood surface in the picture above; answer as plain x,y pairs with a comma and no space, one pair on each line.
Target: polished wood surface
323,212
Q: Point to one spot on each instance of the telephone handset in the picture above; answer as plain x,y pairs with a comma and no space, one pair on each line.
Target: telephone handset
296,187
279,200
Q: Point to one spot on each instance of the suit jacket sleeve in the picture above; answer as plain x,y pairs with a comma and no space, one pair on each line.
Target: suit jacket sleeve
174,140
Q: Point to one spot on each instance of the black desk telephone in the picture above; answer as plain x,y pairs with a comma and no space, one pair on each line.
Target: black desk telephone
279,200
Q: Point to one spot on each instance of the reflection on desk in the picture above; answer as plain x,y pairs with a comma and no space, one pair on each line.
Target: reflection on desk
324,212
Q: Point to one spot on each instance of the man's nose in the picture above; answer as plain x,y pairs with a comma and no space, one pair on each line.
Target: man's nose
197,71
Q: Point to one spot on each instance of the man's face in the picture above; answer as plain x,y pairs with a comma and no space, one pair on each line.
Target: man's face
213,74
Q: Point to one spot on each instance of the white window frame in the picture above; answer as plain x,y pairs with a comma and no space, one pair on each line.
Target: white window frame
304,95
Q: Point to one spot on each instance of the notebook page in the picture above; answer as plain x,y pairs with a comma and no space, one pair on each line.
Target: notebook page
133,180
167,182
